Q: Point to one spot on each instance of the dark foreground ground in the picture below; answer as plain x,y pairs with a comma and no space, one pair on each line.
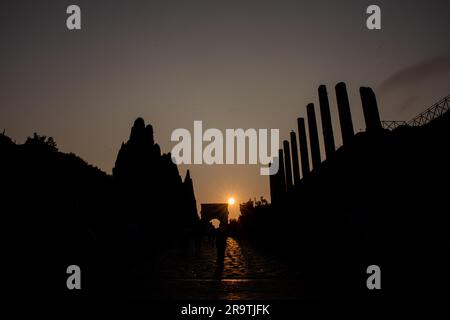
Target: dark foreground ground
247,273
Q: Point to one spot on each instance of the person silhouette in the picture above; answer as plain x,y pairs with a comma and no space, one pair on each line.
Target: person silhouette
221,242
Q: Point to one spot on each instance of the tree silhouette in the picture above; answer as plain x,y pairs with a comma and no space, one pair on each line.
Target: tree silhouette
42,141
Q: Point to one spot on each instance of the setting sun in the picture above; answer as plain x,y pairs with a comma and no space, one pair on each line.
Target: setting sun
231,201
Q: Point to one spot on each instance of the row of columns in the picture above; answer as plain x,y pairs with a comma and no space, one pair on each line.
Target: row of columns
289,172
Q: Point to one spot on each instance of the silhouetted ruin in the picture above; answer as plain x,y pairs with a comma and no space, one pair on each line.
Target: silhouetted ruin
105,222
313,136
287,164
274,187
327,127
295,162
368,203
281,172
210,211
304,154
370,109
345,116
148,183
375,176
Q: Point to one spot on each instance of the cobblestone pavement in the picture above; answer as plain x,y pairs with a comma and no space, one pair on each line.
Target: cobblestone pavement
247,273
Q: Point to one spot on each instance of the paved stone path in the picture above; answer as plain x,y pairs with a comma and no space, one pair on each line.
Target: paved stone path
247,273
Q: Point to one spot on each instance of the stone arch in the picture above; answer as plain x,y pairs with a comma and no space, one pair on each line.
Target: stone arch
217,211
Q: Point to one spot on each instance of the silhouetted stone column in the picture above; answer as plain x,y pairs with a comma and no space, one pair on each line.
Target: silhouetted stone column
295,164
370,109
274,187
304,155
313,136
327,127
281,172
345,116
287,164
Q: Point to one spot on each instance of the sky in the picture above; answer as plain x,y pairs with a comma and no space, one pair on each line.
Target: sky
232,64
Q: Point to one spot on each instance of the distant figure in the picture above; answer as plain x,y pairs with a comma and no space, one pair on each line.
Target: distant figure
221,242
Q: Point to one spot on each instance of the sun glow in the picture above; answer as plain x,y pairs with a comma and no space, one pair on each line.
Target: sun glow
231,201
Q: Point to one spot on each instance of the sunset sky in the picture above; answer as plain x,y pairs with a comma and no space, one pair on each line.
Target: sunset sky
231,64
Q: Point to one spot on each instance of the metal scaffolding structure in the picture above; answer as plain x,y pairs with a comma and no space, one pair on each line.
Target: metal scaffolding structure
433,112
391,125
